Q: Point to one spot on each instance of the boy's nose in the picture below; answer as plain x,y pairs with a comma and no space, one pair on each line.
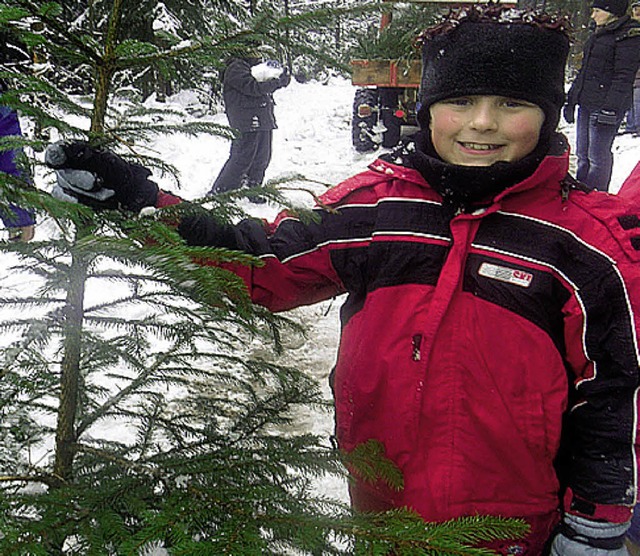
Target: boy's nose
483,118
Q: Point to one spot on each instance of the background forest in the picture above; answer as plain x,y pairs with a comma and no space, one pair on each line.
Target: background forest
106,322
321,36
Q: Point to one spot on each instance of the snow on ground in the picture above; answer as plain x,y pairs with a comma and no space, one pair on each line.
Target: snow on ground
313,139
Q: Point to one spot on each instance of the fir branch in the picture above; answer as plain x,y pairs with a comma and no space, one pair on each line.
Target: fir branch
49,16
112,458
369,463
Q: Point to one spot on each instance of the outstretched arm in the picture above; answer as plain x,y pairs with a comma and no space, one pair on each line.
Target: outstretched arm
297,267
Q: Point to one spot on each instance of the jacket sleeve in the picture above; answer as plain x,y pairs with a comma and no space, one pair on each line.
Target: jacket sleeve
626,60
602,321
296,262
297,269
576,86
238,76
572,94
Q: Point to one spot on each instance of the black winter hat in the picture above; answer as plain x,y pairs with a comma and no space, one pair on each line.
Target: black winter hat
495,50
615,7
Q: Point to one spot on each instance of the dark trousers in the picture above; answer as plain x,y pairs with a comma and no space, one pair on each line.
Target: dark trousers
633,116
248,160
593,149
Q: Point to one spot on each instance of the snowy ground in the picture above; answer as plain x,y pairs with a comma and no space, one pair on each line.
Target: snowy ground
313,139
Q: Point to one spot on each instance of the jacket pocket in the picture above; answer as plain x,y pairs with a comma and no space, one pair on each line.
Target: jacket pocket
533,426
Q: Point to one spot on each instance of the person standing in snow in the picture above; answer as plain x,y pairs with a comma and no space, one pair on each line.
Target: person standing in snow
602,90
490,331
19,221
633,116
248,87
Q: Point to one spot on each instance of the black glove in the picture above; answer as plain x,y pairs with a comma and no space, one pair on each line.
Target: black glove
568,112
285,78
201,228
606,117
99,178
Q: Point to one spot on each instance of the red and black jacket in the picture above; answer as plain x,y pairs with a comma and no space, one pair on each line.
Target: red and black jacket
471,344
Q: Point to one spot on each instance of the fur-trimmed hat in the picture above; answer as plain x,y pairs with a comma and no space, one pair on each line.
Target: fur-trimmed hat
615,7
495,50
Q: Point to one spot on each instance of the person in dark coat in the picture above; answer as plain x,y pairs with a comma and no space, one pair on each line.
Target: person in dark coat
19,221
603,89
248,100
633,116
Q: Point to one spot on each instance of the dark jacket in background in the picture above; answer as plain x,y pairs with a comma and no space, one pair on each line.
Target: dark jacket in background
249,107
610,62
249,103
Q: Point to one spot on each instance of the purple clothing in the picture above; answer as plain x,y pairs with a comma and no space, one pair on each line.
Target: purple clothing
10,125
634,531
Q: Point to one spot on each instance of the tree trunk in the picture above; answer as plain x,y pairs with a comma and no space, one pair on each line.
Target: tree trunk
105,70
101,99
70,371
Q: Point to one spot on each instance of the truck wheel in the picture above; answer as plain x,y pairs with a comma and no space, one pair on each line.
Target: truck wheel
393,123
365,118
391,137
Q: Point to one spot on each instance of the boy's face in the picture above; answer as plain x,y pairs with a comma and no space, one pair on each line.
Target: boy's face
635,12
479,130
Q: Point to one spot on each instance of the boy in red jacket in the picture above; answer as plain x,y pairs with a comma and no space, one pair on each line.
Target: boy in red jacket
489,335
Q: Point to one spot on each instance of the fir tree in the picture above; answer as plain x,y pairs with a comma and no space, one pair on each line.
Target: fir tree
110,324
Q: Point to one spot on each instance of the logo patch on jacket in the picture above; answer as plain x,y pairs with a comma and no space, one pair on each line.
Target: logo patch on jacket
505,274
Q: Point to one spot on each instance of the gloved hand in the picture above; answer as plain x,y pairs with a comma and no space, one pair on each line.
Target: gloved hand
99,178
82,186
285,78
569,113
202,228
606,117
578,536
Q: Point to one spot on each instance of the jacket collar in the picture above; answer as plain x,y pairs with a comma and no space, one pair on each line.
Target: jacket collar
550,173
613,25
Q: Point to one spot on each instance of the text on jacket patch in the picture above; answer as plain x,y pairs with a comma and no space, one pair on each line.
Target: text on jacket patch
504,274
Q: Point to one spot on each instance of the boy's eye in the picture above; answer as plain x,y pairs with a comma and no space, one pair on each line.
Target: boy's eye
460,101
512,103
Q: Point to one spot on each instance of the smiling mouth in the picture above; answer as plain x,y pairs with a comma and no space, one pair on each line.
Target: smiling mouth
479,146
